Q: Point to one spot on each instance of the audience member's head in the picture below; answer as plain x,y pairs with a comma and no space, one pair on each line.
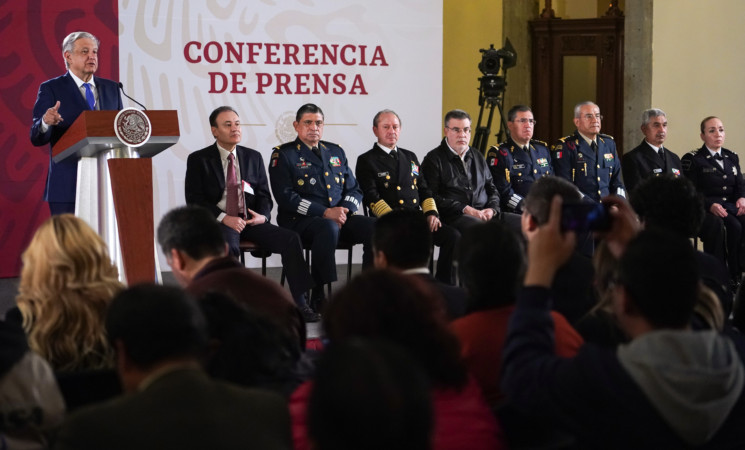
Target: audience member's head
658,282
67,282
402,240
402,309
152,326
669,203
369,394
247,348
189,234
538,201
489,255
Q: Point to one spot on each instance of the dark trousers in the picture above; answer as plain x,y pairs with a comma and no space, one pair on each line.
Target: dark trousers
322,235
276,240
56,208
446,237
711,231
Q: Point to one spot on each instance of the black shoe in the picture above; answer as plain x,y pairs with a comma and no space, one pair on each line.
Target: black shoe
309,315
317,299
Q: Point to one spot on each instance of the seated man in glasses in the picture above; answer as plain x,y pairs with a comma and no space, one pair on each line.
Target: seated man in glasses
459,178
519,161
588,158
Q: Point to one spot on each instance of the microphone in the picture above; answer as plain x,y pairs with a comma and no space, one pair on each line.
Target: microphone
121,87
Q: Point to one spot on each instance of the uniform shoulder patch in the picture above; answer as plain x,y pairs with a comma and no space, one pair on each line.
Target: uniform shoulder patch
539,142
327,144
606,136
284,146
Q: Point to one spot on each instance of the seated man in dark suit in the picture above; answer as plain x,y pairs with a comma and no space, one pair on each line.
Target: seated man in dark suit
650,158
230,181
402,241
459,178
194,248
390,178
59,102
160,336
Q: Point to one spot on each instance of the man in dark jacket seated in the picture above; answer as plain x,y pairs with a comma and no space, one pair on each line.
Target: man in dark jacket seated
670,387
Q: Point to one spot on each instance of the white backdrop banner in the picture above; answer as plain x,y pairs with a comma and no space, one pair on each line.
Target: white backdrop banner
267,58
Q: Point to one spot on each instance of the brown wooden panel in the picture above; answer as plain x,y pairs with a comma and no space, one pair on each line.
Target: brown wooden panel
132,188
555,38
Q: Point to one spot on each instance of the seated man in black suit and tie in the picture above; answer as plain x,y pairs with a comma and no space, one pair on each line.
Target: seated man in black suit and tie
650,158
59,102
230,181
402,241
160,336
390,178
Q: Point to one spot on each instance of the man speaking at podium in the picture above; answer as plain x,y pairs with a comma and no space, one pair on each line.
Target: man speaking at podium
59,102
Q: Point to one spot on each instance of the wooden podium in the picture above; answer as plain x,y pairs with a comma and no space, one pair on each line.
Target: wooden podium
115,185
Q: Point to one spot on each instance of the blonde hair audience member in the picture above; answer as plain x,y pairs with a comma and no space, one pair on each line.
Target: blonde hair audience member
66,285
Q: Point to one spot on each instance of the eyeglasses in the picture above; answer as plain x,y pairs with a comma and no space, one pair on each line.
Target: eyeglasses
593,116
310,123
523,121
459,130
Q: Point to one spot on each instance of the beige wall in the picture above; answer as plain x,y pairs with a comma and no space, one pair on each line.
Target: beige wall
467,27
698,69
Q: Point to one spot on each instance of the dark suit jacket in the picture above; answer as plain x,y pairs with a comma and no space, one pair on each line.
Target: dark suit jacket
642,162
450,184
182,409
718,185
389,183
454,296
62,177
205,179
260,294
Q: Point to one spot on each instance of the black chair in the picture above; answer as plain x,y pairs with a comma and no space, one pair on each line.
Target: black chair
256,251
340,245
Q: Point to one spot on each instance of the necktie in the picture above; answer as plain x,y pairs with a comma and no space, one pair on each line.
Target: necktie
89,96
317,151
394,154
232,201
594,146
526,149
719,157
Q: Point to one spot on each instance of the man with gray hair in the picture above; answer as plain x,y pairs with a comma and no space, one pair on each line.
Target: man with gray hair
390,178
650,158
59,102
588,158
